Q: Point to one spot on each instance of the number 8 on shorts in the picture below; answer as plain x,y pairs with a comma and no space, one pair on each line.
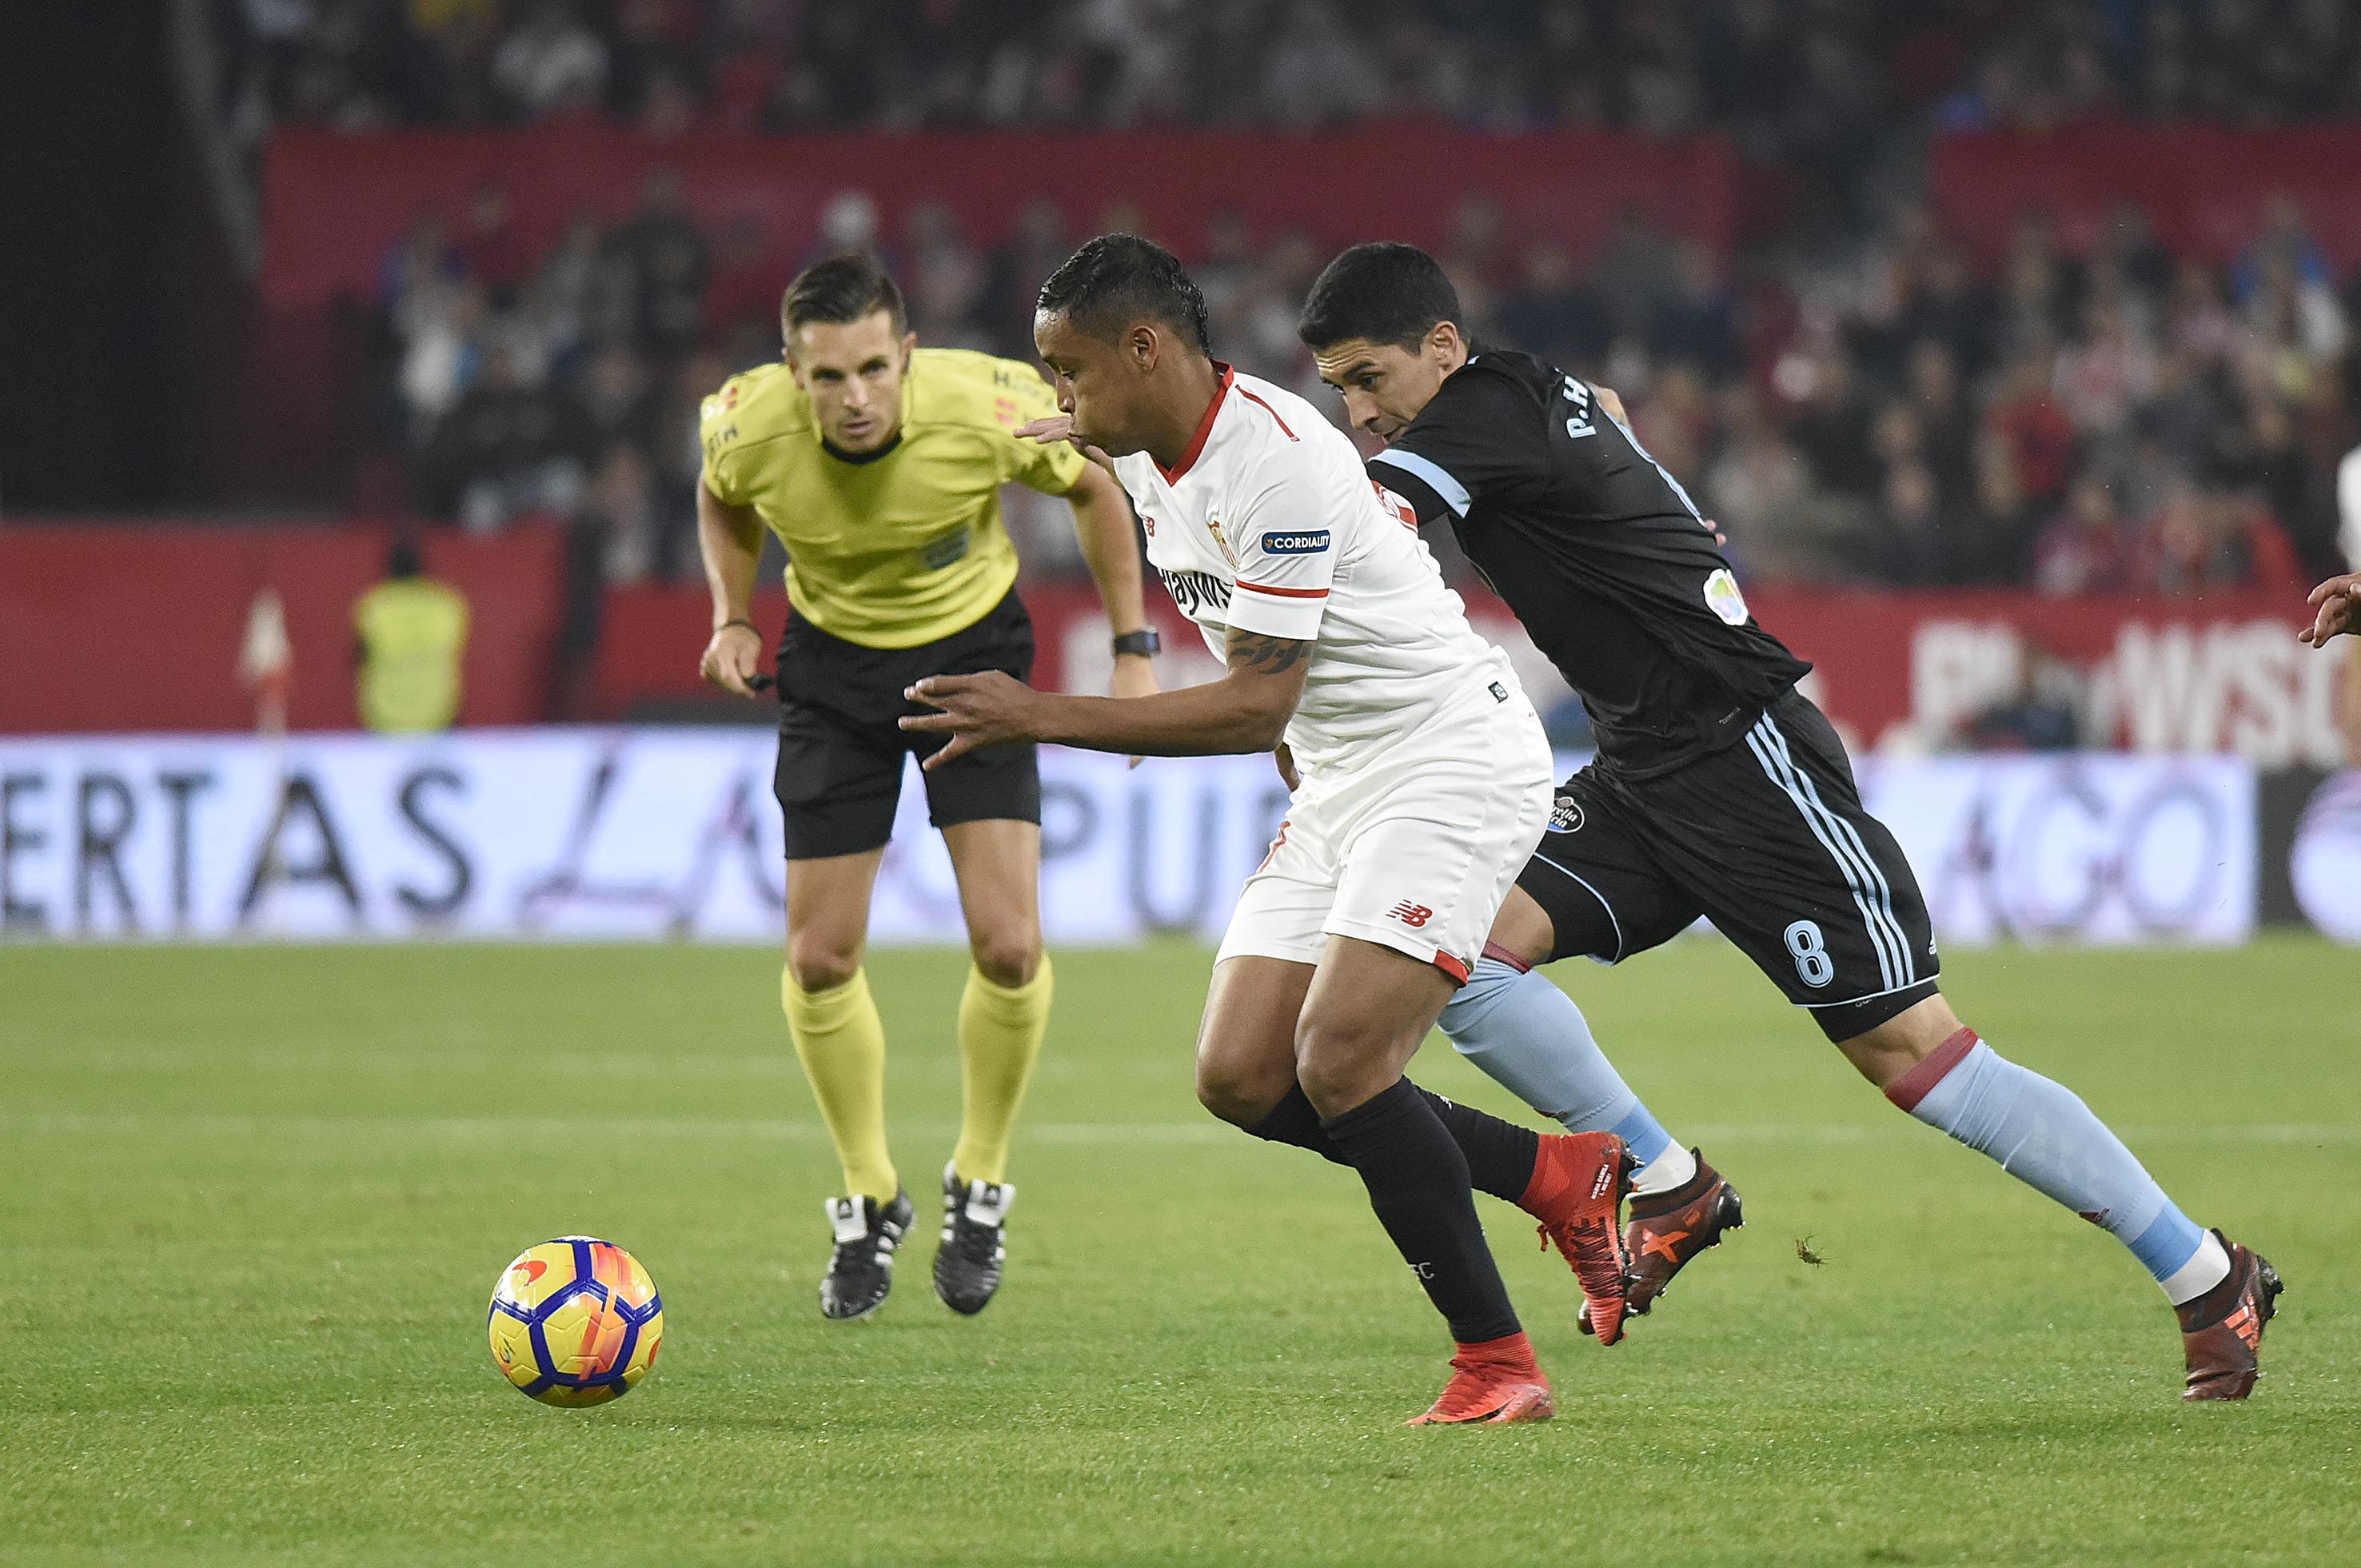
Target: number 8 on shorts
1812,962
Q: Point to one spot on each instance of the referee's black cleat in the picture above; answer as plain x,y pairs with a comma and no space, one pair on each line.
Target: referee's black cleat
967,1265
861,1273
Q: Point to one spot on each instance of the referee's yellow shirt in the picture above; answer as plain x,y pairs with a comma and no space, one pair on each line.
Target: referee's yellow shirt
907,546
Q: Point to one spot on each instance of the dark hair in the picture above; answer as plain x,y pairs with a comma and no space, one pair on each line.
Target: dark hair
1384,292
1118,279
843,289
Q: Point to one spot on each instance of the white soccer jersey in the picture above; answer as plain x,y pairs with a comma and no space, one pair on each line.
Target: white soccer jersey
1269,524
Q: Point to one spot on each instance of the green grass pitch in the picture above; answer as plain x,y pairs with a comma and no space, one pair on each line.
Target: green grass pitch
254,1200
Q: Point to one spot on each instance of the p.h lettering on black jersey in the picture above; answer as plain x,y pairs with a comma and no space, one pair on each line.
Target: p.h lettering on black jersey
1600,552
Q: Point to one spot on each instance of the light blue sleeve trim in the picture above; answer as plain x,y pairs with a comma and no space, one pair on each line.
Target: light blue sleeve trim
1432,474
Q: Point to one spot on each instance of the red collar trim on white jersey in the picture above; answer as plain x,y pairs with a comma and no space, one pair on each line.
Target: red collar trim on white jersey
1248,393
1204,429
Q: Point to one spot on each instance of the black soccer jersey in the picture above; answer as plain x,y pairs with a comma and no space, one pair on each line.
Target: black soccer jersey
1600,552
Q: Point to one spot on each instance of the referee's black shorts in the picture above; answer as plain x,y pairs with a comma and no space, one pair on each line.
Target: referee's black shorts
1766,838
840,743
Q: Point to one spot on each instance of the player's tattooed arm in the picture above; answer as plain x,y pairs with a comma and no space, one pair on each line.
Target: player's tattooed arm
1246,710
1266,655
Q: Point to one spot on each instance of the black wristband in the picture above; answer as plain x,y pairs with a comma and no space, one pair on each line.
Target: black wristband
739,620
1146,643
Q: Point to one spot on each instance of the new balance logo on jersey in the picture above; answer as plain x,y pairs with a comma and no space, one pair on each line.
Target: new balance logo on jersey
1410,914
1193,591
1310,541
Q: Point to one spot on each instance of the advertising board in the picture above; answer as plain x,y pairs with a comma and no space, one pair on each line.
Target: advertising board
654,833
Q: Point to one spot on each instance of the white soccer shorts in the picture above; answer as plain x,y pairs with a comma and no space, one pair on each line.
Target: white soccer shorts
1412,850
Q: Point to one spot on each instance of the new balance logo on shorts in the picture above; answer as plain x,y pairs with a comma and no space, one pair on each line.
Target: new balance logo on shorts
1411,915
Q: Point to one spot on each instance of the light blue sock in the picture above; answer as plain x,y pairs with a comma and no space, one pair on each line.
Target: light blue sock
1531,1038
2043,1135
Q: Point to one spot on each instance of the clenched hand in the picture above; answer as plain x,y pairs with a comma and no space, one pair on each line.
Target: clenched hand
732,658
2338,605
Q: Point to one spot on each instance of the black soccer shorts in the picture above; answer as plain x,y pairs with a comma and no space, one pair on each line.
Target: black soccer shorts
839,777
1767,839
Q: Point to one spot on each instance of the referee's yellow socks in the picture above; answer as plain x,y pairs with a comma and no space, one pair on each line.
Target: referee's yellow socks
1000,1030
842,1044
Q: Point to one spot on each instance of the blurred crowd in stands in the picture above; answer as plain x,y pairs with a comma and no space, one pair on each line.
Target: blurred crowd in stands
1780,74
1855,404
2118,420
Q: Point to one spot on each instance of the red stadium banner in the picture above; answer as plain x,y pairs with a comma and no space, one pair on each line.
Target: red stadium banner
138,625
2204,188
1899,671
1932,670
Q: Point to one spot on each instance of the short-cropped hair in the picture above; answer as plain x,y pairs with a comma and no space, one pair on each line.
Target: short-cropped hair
1118,279
1384,292
843,289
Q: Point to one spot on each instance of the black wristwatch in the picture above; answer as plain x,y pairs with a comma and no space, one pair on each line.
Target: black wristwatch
1147,644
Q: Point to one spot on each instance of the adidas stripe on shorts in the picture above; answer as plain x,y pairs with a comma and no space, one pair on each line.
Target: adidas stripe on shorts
1766,838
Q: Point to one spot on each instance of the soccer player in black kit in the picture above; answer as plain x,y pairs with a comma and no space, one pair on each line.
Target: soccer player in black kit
1718,790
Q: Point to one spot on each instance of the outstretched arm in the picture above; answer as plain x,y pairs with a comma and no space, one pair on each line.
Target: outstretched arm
1246,710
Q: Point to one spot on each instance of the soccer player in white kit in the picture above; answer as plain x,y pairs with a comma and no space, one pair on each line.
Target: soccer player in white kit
1424,782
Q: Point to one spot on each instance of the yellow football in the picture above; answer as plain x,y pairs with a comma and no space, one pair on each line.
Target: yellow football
575,1322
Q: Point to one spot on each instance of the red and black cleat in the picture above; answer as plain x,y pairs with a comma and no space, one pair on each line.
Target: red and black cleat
1576,1193
2222,1331
1667,1229
1497,1382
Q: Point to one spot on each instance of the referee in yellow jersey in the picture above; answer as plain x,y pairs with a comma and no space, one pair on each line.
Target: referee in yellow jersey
878,464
